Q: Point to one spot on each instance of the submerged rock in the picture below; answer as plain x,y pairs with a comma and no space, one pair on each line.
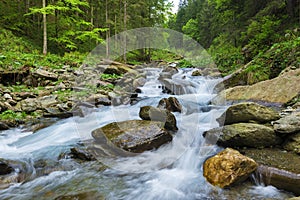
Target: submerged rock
171,104
134,135
243,135
227,168
156,114
288,124
247,112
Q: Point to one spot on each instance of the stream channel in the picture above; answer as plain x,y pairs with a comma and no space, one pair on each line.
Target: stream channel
171,172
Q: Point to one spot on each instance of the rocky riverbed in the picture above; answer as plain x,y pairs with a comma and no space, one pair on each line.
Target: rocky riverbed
265,138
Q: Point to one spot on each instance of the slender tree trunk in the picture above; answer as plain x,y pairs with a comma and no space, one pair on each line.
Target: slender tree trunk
92,14
45,30
107,31
125,29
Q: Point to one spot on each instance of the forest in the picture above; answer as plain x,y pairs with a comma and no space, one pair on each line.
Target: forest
234,32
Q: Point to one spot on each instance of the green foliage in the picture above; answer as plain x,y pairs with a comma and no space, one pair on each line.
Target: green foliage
236,32
261,33
109,76
226,56
17,52
12,115
185,64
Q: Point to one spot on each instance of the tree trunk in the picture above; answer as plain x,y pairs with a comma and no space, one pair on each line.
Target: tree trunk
125,29
107,31
45,30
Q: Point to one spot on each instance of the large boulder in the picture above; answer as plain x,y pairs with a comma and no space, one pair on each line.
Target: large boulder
276,167
243,135
247,112
278,90
171,104
288,124
227,168
293,143
134,135
156,114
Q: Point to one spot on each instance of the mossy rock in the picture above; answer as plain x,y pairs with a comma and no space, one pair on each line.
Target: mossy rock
246,112
134,135
243,135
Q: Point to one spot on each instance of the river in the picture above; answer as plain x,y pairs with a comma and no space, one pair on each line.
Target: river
174,171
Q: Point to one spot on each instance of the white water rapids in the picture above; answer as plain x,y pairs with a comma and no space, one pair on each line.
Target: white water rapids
172,172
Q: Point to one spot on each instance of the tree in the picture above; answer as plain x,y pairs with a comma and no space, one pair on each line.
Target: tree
45,29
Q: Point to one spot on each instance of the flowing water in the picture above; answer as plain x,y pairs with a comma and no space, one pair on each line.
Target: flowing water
174,171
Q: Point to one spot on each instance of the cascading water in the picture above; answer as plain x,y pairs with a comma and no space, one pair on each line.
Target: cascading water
174,171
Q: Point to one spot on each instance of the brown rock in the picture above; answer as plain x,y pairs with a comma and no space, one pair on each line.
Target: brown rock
227,168
171,104
278,90
156,114
133,135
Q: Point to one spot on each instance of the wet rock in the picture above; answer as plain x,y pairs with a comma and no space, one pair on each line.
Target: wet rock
55,112
99,99
228,168
178,86
40,73
3,126
243,135
197,73
133,135
171,104
81,154
288,124
139,82
156,114
280,178
5,168
12,172
293,143
247,112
